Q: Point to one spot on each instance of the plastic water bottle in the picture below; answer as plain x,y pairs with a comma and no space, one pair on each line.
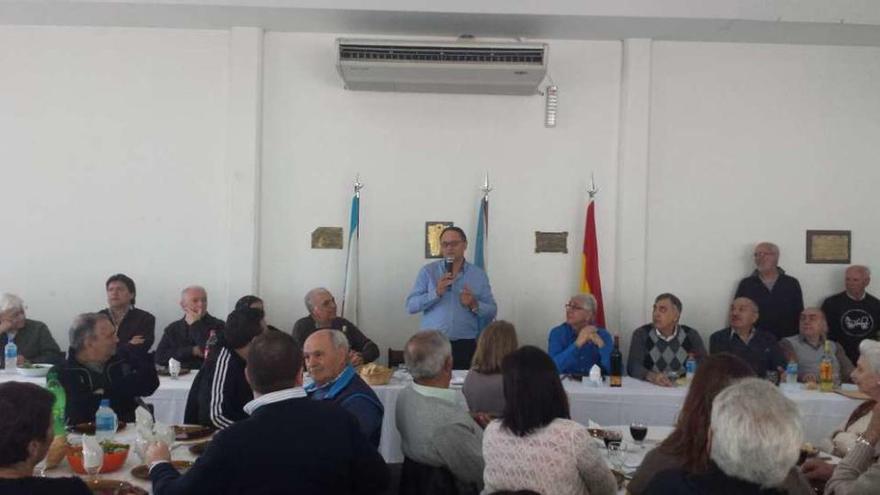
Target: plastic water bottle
105,421
791,375
59,406
690,367
11,353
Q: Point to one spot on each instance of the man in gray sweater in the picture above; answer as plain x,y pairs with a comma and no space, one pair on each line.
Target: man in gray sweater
435,427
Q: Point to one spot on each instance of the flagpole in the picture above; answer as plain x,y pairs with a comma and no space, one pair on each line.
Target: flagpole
592,190
351,259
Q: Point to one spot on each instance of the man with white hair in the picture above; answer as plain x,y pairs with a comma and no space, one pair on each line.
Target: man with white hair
33,339
186,340
578,344
321,306
859,472
853,315
435,427
326,358
754,440
778,296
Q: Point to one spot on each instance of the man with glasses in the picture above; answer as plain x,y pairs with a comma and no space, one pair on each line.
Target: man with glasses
454,298
578,344
778,296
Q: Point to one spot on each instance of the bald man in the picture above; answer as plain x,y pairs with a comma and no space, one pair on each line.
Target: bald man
778,296
853,315
326,357
757,347
187,338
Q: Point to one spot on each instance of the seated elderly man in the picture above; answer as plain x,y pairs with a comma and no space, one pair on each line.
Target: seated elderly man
578,344
660,348
435,427
859,472
326,356
757,347
808,347
322,314
186,340
222,388
754,440
95,370
35,343
289,444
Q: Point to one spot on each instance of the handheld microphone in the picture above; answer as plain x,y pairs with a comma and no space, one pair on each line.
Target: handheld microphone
448,262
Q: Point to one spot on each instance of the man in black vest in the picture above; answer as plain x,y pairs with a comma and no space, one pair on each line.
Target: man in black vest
326,355
290,444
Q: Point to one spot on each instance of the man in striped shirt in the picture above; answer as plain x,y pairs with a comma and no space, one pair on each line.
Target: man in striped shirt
223,389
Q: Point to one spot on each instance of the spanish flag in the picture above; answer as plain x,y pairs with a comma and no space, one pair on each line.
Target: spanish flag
590,283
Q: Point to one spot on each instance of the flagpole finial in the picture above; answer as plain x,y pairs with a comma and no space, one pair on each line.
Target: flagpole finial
358,185
486,188
592,190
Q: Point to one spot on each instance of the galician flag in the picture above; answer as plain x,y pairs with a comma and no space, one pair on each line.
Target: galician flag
350,293
590,282
480,258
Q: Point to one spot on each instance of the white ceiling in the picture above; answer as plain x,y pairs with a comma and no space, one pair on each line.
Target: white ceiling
831,22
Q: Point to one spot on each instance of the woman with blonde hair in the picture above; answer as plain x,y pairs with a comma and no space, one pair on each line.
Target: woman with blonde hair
483,388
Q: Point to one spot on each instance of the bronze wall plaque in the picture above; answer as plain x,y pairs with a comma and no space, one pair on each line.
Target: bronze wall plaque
432,238
551,242
829,246
327,238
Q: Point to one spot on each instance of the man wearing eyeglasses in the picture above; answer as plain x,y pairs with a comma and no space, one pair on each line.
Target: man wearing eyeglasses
578,344
778,295
456,300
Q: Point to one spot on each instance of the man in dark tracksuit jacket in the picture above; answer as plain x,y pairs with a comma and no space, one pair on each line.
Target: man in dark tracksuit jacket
96,370
222,388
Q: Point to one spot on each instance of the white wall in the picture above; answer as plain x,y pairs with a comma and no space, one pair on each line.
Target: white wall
112,144
758,142
423,157
118,156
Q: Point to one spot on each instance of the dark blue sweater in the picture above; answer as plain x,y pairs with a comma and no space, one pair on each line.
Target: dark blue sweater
292,446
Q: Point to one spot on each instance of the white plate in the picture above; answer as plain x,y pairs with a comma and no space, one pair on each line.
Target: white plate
36,371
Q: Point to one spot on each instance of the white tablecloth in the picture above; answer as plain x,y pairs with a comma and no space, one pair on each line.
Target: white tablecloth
635,401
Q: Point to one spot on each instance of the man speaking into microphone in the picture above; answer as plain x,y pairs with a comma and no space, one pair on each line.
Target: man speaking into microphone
454,297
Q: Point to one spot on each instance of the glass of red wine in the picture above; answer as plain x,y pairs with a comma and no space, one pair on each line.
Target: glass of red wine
639,431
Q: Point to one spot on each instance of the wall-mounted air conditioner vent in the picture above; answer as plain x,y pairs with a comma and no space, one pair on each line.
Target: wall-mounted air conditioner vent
442,67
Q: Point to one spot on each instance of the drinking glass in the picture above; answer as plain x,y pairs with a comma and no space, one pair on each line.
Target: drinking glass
617,454
92,463
639,430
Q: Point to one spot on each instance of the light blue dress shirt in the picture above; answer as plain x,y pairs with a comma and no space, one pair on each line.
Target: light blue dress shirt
446,313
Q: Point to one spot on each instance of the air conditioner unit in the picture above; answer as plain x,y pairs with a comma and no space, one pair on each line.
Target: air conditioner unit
442,67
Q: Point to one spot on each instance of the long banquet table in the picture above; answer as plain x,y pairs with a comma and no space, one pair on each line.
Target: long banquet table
635,401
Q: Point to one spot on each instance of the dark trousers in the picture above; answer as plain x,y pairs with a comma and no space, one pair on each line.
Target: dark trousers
462,353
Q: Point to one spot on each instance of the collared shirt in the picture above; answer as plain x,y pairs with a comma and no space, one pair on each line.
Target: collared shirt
446,313
320,391
272,397
744,340
663,337
446,394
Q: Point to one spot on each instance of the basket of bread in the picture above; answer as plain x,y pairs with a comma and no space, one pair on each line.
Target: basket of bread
375,374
